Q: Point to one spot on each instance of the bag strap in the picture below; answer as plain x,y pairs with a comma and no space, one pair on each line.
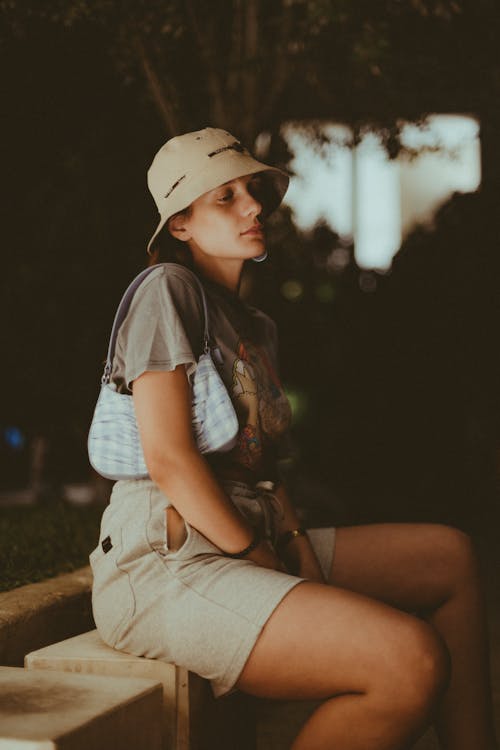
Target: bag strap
123,309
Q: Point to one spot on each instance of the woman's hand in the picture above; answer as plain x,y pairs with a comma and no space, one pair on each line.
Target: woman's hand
301,560
298,555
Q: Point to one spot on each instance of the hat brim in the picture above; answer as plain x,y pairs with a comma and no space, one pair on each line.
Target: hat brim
233,165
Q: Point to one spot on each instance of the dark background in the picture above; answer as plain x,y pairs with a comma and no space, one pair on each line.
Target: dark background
400,385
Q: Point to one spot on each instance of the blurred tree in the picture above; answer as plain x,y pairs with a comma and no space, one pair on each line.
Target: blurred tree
247,65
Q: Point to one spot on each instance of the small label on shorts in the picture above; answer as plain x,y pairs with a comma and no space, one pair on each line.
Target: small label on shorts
106,544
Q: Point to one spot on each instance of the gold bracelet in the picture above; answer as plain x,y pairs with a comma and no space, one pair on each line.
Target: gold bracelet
285,538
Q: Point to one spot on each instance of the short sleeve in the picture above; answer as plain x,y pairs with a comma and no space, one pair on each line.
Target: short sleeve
163,327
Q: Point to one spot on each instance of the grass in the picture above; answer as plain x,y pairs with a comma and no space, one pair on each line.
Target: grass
39,542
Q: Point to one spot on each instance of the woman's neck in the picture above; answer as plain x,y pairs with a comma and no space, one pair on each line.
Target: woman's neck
224,272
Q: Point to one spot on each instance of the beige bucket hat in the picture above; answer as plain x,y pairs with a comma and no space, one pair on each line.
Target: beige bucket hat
189,165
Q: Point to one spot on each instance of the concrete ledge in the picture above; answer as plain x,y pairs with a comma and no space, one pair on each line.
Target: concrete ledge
42,613
44,710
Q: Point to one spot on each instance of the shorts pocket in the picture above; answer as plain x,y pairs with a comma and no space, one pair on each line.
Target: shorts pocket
113,600
195,544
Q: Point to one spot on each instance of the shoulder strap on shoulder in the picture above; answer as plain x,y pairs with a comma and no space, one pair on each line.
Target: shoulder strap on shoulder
123,308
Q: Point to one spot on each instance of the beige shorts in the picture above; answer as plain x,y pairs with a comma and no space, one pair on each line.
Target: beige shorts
193,606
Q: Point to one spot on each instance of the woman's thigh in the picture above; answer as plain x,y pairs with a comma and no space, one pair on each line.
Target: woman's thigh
322,641
412,566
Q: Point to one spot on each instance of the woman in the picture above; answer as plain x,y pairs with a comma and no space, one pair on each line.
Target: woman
205,563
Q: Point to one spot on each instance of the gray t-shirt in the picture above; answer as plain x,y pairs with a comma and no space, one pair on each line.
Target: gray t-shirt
164,328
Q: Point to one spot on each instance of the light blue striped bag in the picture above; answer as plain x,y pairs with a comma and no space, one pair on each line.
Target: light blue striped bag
114,445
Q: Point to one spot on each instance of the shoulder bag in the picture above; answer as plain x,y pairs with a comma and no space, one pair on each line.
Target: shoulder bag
114,445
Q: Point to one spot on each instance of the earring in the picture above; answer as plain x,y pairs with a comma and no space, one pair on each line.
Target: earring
260,258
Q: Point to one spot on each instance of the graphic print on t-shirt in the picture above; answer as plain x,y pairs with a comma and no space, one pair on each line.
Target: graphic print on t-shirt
262,407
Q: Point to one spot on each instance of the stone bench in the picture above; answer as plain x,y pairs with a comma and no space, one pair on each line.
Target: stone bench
191,718
41,710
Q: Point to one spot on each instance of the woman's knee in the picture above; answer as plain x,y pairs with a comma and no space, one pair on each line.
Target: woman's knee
419,670
457,556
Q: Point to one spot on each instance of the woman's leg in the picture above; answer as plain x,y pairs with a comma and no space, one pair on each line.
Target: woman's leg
430,569
380,671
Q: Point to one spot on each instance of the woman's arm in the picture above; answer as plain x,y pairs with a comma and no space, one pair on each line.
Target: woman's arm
162,402
298,555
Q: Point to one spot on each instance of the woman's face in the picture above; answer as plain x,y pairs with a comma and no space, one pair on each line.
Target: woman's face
226,222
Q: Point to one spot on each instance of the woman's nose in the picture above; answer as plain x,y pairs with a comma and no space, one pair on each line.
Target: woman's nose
250,204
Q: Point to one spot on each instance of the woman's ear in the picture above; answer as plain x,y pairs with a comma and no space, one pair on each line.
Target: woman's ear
176,225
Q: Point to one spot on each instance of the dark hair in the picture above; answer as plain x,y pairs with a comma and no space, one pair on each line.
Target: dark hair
168,249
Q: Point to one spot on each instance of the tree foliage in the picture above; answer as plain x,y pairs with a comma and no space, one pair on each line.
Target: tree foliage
249,64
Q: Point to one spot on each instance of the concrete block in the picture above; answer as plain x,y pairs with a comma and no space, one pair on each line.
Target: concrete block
34,615
191,718
88,654
49,710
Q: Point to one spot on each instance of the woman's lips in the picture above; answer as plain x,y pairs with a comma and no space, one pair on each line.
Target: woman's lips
255,230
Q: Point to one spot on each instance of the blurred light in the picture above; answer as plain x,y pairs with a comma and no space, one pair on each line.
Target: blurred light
339,259
367,281
292,290
322,186
445,157
441,132
262,145
377,211
14,438
358,191
298,402
325,292
79,494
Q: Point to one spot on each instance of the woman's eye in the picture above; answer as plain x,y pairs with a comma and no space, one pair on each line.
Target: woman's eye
225,197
